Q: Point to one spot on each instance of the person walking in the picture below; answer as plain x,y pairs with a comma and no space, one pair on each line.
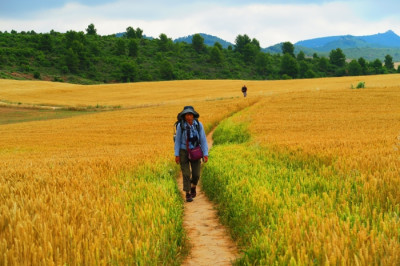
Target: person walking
189,136
244,90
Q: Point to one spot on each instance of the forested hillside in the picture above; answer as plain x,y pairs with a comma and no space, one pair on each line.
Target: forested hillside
87,58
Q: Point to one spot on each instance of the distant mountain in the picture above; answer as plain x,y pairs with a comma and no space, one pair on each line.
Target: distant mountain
208,40
388,39
369,47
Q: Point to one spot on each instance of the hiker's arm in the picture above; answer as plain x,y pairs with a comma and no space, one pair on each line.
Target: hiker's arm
178,139
203,141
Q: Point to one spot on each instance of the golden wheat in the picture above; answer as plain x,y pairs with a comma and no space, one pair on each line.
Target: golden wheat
66,185
347,144
67,194
357,129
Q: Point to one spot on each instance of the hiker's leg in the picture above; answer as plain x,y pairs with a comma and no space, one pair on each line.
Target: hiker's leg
185,167
195,171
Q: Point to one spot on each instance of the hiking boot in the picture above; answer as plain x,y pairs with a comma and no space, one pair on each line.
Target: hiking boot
193,192
189,197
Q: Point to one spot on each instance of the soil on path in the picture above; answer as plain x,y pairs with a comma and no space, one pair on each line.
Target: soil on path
209,241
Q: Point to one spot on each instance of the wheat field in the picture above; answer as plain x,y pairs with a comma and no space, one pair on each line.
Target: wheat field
317,182
94,189
100,188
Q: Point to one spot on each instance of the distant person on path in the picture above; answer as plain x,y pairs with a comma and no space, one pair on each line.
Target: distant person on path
189,135
244,90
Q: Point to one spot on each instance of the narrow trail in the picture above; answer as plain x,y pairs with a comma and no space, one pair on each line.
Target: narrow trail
209,240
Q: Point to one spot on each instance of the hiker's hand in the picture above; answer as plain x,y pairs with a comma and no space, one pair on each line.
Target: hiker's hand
177,159
205,159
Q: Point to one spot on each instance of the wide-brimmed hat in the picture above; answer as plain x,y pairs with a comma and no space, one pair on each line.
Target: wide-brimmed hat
186,110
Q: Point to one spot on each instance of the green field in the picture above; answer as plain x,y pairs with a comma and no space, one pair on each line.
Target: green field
10,115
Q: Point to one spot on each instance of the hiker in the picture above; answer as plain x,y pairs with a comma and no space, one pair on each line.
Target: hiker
190,137
244,90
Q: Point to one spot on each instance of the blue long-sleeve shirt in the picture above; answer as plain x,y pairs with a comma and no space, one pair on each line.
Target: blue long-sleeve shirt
180,139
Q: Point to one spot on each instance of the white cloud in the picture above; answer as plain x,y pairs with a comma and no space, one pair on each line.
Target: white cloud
268,23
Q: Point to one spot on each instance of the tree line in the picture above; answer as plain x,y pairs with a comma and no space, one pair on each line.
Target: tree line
87,58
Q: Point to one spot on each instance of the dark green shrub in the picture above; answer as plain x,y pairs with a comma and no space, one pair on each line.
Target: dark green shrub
360,85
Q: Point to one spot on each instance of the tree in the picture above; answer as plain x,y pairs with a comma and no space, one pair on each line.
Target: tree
216,55
323,64
45,42
337,57
250,52
310,74
303,68
240,42
363,65
247,47
354,68
71,60
128,72
133,48
340,72
377,66
256,43
218,45
91,30
289,66
76,41
166,70
130,33
3,58
389,62
262,62
288,48
72,36
139,33
164,43
301,56
198,42
120,47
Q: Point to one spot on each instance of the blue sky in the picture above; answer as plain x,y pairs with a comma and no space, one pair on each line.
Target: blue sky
270,21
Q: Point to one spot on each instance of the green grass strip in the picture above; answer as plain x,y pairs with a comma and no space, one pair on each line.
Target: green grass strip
156,208
284,208
11,115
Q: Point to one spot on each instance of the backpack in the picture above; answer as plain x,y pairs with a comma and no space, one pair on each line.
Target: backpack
182,121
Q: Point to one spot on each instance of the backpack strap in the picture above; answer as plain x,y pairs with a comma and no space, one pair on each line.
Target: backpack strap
197,126
182,122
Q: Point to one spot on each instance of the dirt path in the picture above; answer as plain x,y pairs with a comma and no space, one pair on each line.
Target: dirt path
209,240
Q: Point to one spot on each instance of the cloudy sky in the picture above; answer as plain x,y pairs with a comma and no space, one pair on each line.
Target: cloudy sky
269,21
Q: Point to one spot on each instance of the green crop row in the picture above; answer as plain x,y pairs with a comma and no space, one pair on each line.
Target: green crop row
155,207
